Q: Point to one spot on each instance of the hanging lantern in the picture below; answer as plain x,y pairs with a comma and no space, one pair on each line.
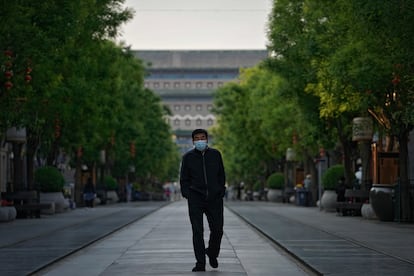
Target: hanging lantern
362,129
15,134
290,154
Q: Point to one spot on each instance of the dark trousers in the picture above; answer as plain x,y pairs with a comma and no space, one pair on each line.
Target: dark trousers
213,209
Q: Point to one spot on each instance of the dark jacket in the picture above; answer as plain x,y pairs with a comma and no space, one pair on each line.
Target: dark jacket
203,173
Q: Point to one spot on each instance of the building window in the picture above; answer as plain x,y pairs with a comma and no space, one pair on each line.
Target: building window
219,84
166,85
210,122
177,107
177,122
187,107
156,85
209,84
188,84
209,107
198,122
146,84
187,122
176,84
199,107
199,84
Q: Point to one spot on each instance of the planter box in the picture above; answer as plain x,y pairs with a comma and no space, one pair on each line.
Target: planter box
275,195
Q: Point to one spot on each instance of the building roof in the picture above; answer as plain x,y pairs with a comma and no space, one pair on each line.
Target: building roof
201,59
194,93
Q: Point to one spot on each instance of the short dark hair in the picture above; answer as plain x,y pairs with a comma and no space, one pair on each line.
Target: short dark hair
198,131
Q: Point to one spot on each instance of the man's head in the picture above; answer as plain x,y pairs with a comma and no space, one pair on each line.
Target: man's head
199,134
200,139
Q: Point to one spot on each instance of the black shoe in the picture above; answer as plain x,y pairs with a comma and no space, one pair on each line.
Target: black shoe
198,268
212,260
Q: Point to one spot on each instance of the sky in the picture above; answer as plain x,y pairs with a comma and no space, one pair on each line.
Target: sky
197,24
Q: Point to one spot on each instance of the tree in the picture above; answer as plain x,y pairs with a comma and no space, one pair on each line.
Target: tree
358,59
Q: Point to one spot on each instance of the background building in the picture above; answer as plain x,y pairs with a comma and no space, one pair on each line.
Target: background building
186,81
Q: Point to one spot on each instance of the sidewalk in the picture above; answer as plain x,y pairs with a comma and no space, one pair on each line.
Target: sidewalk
160,244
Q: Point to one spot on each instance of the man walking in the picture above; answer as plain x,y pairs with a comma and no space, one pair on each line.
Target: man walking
202,181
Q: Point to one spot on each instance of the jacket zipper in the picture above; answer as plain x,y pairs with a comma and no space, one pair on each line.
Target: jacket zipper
205,174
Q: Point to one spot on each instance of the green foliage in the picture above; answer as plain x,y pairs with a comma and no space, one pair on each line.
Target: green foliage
110,183
49,179
257,186
275,181
331,177
137,186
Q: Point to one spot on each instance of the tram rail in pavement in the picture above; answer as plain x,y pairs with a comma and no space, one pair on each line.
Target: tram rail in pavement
332,244
161,244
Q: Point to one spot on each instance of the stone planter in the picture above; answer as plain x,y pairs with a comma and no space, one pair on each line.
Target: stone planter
7,213
381,199
328,201
367,211
60,203
112,197
274,195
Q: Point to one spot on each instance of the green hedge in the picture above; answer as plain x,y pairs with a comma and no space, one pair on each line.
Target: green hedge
331,177
49,179
276,181
110,183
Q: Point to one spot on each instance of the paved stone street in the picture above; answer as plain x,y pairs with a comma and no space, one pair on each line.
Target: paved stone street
160,244
154,238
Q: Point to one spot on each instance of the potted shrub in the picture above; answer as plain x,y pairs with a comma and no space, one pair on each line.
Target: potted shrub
256,190
275,183
50,182
111,186
329,183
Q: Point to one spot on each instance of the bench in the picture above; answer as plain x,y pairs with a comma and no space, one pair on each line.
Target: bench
353,202
27,204
287,193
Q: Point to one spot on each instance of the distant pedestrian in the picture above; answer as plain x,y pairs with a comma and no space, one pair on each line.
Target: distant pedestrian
307,183
89,193
202,181
128,191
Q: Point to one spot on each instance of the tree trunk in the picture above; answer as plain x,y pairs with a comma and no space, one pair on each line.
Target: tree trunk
53,154
349,172
18,180
32,144
405,192
366,156
78,179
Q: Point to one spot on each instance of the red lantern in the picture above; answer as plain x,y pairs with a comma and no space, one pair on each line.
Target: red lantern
8,53
8,85
28,78
8,74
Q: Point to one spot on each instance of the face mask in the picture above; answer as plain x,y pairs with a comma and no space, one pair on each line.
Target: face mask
200,145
